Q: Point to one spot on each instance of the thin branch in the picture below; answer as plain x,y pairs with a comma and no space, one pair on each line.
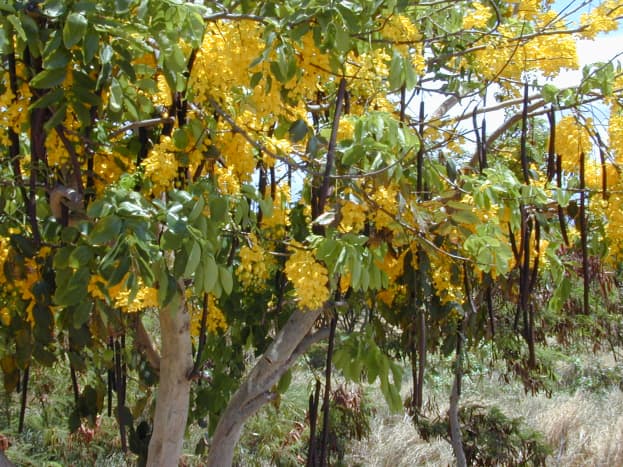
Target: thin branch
324,190
142,124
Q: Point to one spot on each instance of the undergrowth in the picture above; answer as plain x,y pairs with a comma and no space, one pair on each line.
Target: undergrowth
579,424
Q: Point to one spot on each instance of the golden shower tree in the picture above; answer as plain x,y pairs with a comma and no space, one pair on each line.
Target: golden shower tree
248,171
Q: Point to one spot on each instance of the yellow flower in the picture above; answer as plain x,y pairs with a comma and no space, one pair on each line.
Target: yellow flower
161,165
5,316
601,19
478,17
146,297
215,320
353,217
308,276
255,263
572,139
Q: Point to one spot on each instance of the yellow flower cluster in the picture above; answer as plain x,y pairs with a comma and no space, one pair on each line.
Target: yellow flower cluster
161,165
353,216
528,9
19,291
385,197
615,132
308,277
613,212
5,316
8,291
24,285
370,71
275,224
447,289
504,56
345,129
108,170
146,297
13,109
163,96
215,319
4,254
314,66
400,29
226,180
238,154
601,19
55,148
255,264
394,268
223,63
611,209
478,17
572,139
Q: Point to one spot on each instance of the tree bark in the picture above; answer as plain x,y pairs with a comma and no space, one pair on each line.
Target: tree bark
256,389
165,446
455,425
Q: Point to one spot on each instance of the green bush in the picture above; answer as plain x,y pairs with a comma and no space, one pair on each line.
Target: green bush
490,438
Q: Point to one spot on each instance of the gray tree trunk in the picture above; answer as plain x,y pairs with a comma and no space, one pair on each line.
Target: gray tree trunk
290,342
4,462
165,446
455,425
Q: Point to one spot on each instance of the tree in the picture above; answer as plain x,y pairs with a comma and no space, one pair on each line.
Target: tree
252,170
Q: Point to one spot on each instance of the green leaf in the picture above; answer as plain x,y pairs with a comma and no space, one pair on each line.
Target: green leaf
550,93
210,273
80,256
174,59
54,8
226,279
355,271
255,79
81,313
325,219
180,138
284,381
218,209
197,209
49,78
71,288
90,45
395,72
57,117
193,259
107,229
342,40
59,58
298,130
74,29
48,99
116,95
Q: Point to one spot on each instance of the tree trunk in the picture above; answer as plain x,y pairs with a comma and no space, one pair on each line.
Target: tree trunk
455,425
256,389
165,446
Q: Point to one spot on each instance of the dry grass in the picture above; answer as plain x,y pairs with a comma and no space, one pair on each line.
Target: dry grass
394,442
584,428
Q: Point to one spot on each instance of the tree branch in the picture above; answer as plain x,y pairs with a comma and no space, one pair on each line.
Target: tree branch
145,345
